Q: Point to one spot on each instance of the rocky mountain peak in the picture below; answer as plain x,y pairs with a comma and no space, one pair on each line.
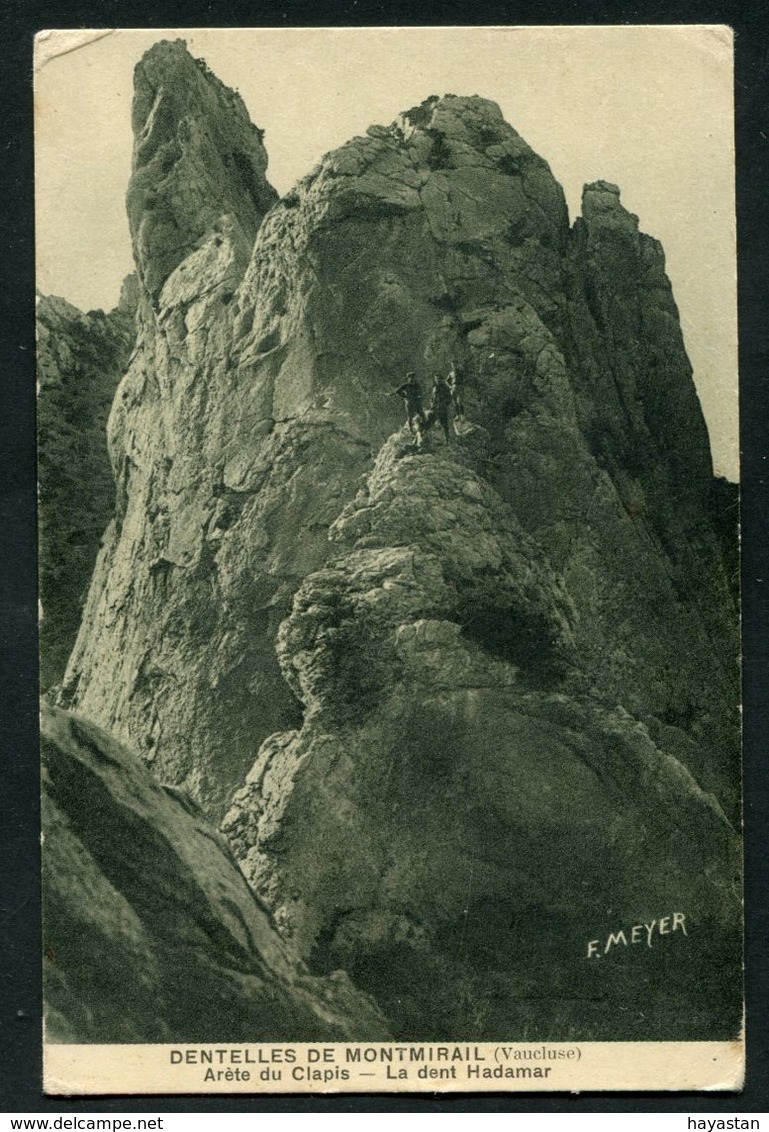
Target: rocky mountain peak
197,157
438,111
498,657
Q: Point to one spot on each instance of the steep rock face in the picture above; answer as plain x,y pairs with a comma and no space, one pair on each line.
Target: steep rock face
461,812
80,360
506,668
190,956
170,428
251,410
244,423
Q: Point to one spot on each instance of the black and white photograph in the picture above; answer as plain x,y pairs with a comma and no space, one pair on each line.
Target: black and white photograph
389,559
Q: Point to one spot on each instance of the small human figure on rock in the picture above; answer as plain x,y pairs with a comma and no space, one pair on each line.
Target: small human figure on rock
415,414
454,382
440,402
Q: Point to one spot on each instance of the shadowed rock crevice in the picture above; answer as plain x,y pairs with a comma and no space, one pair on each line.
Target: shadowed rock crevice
520,635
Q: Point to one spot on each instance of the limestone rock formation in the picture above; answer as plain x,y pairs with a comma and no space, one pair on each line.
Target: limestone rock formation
463,708
80,360
197,156
477,811
151,932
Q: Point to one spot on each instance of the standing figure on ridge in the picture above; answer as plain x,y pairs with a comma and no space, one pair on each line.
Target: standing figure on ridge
439,405
415,414
454,382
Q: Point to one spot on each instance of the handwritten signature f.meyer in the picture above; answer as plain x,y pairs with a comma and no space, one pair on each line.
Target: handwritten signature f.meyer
642,933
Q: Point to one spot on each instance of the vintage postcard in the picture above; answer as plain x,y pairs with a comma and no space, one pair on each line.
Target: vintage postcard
389,559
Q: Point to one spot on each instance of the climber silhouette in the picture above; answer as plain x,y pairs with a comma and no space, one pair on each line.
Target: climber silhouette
415,414
440,401
455,382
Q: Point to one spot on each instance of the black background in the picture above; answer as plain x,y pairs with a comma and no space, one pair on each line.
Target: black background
20,990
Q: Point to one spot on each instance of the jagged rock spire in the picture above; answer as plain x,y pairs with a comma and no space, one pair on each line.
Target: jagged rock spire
197,157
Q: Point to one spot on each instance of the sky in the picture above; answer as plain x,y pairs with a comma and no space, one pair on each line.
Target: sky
648,108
